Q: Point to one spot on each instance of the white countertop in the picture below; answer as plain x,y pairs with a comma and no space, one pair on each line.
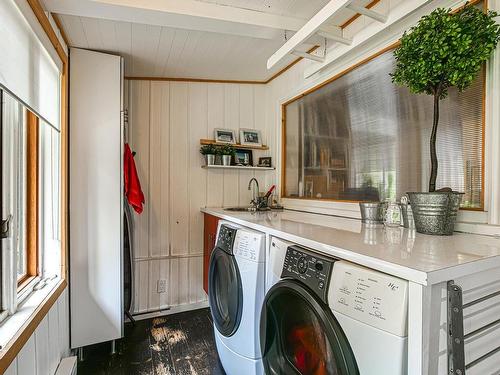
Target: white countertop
400,252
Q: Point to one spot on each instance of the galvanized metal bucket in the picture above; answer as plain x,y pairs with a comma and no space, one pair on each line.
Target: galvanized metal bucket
226,160
435,213
372,212
210,159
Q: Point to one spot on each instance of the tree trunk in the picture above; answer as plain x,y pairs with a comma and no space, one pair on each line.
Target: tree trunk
434,159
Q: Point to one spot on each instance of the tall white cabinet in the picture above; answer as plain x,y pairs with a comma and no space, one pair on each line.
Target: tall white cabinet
96,191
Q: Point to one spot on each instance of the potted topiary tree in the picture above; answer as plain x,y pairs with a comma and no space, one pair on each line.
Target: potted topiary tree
443,50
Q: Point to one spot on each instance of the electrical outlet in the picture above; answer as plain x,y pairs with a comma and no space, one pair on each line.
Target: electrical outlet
161,286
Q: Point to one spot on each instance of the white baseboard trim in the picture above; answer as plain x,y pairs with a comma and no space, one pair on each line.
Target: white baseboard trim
170,311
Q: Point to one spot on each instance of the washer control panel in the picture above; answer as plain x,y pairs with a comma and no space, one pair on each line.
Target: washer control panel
371,297
310,268
225,239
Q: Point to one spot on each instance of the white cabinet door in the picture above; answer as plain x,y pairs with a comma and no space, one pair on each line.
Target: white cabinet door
96,189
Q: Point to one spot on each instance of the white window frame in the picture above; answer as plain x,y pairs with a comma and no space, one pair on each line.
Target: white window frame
11,295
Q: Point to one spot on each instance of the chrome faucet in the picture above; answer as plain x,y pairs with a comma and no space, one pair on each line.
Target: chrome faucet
255,198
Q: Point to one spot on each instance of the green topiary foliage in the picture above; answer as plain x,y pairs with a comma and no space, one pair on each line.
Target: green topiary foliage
226,150
443,50
208,150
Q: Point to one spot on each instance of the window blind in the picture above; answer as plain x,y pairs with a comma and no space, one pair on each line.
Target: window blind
27,69
361,137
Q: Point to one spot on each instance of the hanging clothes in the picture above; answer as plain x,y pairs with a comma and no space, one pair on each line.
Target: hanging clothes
133,191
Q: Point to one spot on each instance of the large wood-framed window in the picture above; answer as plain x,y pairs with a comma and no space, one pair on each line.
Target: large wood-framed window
29,186
47,97
359,137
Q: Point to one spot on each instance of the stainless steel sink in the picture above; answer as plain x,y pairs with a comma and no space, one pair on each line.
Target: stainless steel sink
240,209
246,209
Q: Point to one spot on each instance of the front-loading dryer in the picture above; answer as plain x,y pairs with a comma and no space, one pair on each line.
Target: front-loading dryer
236,290
275,257
325,316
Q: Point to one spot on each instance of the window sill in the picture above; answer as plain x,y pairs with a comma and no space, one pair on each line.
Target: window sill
17,329
26,287
468,221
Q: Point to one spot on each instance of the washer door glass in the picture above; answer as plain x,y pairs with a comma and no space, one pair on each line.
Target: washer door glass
225,292
300,335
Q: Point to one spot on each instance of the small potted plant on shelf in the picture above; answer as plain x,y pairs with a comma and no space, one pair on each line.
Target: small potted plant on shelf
226,152
209,151
443,50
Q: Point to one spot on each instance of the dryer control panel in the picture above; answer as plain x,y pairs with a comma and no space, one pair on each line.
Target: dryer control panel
226,237
249,245
372,297
310,268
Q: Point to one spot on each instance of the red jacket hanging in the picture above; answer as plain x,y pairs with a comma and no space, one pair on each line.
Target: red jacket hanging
133,190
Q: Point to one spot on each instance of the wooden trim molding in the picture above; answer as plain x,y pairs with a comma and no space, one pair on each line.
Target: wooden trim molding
176,79
59,25
283,150
64,172
47,27
32,198
33,183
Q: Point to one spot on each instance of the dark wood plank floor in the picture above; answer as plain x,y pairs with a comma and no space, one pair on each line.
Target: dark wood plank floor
180,344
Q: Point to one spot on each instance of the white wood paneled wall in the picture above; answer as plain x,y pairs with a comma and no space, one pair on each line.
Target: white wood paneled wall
166,122
47,345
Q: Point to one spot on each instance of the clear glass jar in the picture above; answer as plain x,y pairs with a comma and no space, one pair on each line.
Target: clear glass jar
392,215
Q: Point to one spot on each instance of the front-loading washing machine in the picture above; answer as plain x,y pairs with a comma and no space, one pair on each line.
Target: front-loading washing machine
236,290
324,316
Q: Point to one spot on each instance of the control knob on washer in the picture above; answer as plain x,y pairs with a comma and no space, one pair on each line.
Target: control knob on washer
302,265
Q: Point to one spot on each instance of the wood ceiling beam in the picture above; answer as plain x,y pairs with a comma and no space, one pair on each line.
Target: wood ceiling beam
185,14
335,37
360,9
308,30
309,56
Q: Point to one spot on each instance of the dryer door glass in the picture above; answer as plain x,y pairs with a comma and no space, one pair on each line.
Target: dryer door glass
225,292
301,335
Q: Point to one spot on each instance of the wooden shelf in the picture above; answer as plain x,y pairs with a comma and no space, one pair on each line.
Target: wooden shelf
237,145
238,167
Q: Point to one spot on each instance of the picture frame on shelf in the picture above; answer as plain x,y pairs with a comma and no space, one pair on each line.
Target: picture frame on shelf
250,137
243,157
265,162
227,136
